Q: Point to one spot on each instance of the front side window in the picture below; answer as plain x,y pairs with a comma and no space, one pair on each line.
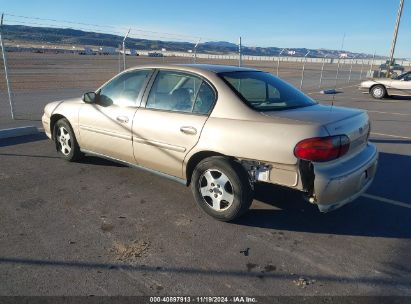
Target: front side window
124,89
180,92
264,92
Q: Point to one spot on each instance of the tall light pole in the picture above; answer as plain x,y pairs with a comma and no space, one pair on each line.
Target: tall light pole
394,39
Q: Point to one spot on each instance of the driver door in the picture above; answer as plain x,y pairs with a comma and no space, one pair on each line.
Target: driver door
105,126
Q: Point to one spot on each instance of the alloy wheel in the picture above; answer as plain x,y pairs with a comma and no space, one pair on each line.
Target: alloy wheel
216,190
64,140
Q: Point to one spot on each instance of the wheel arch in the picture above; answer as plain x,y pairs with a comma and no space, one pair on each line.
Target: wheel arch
196,158
377,84
53,120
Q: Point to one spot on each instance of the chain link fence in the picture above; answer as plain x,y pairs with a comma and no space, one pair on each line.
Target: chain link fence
44,70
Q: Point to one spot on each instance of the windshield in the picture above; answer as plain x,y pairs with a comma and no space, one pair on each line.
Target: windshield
264,92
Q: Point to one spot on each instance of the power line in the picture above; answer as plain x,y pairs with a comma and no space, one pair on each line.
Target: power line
170,35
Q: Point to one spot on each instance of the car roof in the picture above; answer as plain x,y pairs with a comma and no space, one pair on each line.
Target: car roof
214,68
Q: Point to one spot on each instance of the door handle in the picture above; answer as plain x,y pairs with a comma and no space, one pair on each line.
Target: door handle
122,119
189,130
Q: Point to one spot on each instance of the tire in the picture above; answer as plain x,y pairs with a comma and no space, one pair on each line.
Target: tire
378,92
221,188
65,141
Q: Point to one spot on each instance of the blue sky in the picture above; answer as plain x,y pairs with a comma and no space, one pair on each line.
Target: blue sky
367,24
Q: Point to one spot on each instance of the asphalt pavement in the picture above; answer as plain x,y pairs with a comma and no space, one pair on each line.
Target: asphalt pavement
99,228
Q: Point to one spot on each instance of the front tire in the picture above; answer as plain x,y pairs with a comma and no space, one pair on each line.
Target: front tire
378,92
221,188
65,140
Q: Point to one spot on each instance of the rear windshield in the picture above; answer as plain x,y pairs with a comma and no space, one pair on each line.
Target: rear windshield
264,92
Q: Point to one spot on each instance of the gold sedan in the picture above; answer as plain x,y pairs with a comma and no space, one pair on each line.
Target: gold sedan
220,129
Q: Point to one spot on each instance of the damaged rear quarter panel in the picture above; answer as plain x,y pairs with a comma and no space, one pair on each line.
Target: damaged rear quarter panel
267,140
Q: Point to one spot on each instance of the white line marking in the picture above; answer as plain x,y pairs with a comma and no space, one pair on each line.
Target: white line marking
393,113
386,200
389,135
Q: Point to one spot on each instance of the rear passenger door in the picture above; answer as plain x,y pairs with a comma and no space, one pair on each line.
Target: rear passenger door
169,125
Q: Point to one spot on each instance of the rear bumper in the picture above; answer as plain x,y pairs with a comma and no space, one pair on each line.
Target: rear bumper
338,184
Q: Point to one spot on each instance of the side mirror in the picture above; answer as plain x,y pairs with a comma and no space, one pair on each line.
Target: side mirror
90,97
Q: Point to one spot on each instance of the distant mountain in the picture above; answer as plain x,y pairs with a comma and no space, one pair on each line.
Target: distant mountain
223,44
23,35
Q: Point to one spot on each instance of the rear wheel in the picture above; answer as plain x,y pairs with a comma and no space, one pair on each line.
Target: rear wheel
221,188
378,92
65,140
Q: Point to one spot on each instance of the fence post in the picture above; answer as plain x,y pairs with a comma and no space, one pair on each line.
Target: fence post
6,74
240,61
302,72
322,71
278,60
352,61
124,49
372,65
362,67
119,58
195,51
336,75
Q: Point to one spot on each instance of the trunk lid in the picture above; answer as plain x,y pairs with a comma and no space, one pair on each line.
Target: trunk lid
336,120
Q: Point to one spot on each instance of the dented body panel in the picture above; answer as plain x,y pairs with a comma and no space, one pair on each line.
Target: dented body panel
341,182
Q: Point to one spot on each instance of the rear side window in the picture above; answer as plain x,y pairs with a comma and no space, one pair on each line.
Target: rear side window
264,92
205,99
124,89
180,92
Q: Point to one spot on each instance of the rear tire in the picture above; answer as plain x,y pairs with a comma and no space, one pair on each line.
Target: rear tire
65,140
221,188
378,92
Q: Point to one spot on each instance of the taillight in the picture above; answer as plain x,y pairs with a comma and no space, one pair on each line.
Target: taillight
322,149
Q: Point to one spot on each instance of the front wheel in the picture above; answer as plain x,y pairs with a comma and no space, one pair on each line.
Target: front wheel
378,92
221,188
65,140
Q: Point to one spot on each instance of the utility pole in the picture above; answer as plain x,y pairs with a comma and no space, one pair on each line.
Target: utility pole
394,39
240,61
